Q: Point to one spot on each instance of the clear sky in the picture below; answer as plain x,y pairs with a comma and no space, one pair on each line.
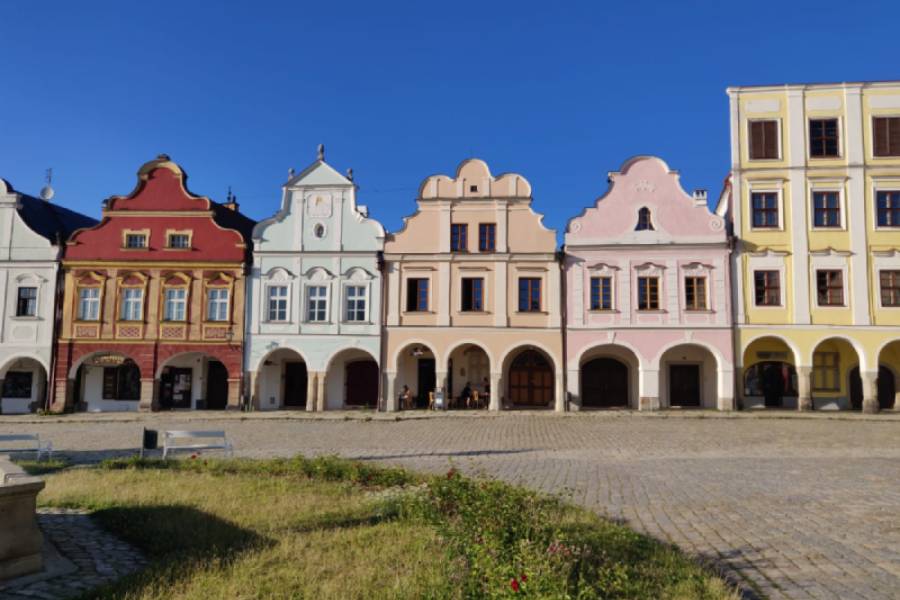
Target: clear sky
561,92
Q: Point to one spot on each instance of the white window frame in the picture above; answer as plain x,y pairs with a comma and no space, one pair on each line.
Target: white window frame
214,304
602,270
871,149
831,186
36,300
286,298
830,261
93,312
884,261
841,137
883,185
778,129
308,300
696,269
127,305
174,302
767,188
365,299
405,292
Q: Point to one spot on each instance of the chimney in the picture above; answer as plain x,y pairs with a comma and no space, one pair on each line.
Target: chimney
700,197
231,202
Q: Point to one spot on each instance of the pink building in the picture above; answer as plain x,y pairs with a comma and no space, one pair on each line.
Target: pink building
648,301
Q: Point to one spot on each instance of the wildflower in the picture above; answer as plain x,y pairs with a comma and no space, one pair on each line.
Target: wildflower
193,456
523,577
514,584
451,473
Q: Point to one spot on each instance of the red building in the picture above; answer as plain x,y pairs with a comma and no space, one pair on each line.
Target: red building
153,305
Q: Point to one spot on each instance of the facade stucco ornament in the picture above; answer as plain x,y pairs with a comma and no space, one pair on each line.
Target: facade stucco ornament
318,205
645,185
576,227
716,224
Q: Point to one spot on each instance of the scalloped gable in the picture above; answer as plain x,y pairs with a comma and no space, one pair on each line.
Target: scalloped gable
161,186
645,181
474,180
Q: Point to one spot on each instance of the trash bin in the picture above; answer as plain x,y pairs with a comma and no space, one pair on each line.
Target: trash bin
151,439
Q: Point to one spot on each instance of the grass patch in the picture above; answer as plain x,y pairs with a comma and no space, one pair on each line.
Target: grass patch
332,528
42,467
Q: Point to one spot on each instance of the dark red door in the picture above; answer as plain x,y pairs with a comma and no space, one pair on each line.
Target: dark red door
362,383
684,385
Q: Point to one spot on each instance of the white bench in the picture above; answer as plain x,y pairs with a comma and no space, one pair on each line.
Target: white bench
196,440
27,442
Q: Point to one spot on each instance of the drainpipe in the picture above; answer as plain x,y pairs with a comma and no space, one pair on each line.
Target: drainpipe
57,318
563,309
382,349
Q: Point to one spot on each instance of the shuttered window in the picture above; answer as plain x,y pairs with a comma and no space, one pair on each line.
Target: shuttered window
823,138
886,136
763,140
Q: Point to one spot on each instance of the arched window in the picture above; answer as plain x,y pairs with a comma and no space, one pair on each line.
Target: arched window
644,222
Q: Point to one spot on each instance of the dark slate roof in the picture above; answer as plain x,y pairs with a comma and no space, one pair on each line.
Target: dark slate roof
233,219
51,220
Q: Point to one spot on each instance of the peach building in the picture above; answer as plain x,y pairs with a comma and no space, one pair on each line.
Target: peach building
472,298
648,301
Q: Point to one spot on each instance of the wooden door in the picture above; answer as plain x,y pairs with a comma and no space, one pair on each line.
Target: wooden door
427,381
216,385
361,383
887,388
295,384
684,385
175,388
531,380
604,383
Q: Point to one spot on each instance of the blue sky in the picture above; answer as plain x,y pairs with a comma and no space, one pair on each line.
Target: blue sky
561,92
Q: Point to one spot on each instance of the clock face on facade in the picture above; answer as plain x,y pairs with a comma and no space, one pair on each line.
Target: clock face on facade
318,205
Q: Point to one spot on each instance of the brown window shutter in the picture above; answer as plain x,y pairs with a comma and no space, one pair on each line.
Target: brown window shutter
880,136
771,139
893,136
756,135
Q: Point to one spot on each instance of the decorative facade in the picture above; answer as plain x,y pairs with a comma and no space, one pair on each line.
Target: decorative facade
648,309
314,298
153,303
814,197
32,234
472,298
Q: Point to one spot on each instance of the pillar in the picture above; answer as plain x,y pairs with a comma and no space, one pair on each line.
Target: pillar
804,386
62,395
725,384
255,401
234,394
311,389
648,389
496,391
870,391
390,391
148,400
320,392
440,379
572,383
559,392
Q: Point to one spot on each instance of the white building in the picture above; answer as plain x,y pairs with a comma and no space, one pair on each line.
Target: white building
314,298
32,232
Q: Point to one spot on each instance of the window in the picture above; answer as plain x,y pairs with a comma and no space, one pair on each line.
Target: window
826,372
644,222
217,304
487,237
763,140
648,293
135,240
89,304
459,234
473,294
26,305
278,303
767,288
888,208
776,377
132,304
826,209
17,384
601,293
823,138
764,206
695,293
890,288
317,304
886,136
356,303
174,304
179,240
529,294
122,382
830,288
417,295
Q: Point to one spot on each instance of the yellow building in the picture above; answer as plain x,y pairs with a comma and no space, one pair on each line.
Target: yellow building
814,198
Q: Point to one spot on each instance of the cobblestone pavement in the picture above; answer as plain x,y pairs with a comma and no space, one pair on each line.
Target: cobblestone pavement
79,557
790,507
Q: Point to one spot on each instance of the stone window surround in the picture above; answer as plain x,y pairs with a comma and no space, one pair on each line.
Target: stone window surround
650,269
473,273
827,185
143,232
765,186
602,269
121,286
778,129
358,277
841,133
829,260
170,232
166,285
696,269
882,184
767,261
229,286
89,280
27,280
888,260
278,277
417,273
317,277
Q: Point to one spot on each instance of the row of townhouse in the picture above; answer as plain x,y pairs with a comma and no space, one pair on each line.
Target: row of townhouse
787,295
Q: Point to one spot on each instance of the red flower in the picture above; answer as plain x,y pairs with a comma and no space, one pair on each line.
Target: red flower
451,473
514,585
523,577
193,456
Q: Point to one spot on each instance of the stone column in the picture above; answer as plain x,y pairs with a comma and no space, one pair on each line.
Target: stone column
726,389
804,385
62,395
311,389
148,401
559,392
870,391
496,391
234,394
572,383
648,390
320,393
440,378
255,400
390,391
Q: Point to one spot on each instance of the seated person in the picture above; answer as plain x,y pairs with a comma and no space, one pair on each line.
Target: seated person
406,398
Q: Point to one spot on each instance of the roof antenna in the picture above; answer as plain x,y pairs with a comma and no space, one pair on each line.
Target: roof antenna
321,151
47,191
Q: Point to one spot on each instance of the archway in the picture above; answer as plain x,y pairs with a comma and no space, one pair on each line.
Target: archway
889,359
887,388
688,377
282,380
24,386
530,379
608,377
468,377
192,380
417,373
351,380
832,361
770,376
107,382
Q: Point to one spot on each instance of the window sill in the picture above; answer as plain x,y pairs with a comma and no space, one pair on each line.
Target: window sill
418,312
208,322
26,318
699,311
651,311
168,249
357,323
473,312
531,312
604,311
828,228
142,249
87,322
765,160
129,322
769,306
